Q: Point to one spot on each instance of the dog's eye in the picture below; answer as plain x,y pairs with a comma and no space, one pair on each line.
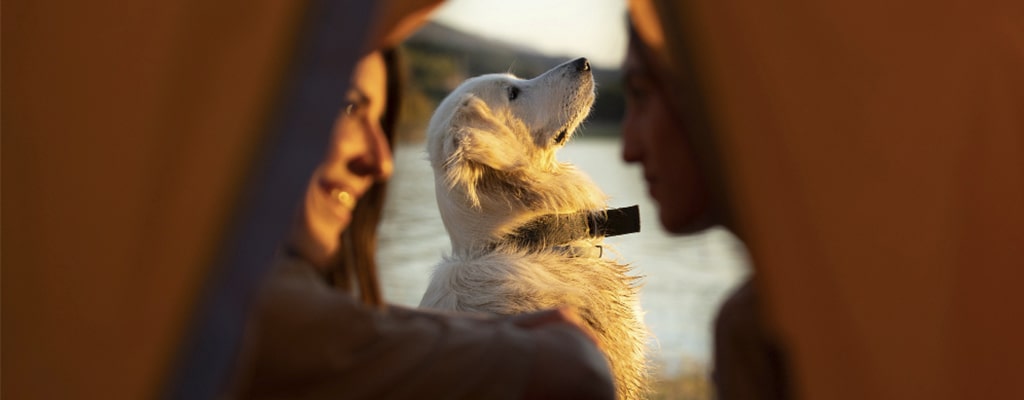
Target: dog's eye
513,92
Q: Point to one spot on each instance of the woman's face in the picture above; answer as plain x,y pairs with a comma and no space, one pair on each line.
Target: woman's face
357,157
655,137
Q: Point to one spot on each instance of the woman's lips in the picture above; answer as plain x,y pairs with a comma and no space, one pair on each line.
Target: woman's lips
330,185
340,197
651,183
649,178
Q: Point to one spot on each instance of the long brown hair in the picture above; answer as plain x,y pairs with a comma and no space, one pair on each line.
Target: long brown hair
357,262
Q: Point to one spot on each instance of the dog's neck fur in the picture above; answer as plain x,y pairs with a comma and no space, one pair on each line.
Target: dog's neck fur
509,200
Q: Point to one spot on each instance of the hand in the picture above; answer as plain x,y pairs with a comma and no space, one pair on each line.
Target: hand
567,364
563,315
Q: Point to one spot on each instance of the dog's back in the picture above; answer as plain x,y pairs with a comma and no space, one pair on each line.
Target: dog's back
509,282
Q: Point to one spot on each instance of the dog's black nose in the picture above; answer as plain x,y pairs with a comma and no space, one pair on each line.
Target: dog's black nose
581,64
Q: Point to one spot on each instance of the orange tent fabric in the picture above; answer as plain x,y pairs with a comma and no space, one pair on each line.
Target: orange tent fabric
133,134
872,153
127,128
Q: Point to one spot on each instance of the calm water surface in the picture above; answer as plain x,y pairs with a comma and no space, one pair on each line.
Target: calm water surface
685,277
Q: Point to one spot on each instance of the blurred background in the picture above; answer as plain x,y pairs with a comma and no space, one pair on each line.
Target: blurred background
470,38
685,277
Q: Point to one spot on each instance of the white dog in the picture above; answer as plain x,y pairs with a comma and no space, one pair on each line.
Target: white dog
526,230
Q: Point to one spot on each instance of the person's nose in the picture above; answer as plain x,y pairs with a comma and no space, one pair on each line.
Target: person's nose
632,151
377,161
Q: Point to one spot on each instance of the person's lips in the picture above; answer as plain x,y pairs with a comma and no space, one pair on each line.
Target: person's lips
651,183
342,198
650,178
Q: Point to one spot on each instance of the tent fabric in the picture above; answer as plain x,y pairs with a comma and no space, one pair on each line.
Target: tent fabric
872,152
144,143
873,160
128,128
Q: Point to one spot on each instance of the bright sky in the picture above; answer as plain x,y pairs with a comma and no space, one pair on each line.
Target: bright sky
595,29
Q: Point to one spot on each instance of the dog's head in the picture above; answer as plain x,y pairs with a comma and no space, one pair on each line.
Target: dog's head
492,145
500,124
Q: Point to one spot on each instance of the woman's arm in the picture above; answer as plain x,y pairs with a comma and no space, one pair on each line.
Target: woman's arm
309,340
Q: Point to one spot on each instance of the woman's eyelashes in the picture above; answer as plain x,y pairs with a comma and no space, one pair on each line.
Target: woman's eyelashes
357,103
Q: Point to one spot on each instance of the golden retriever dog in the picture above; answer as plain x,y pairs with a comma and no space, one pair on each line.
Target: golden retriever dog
527,230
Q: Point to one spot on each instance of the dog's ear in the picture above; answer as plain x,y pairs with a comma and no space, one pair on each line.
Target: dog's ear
479,140
481,137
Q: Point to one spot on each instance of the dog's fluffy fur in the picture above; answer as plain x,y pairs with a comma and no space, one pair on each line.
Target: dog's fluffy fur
492,146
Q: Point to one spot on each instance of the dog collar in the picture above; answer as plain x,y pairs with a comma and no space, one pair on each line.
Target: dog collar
559,229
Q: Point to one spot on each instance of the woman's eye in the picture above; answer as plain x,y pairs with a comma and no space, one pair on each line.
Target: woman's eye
352,108
633,93
513,93
357,103
636,91
356,107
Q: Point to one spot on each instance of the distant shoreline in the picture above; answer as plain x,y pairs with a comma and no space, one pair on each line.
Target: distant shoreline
589,130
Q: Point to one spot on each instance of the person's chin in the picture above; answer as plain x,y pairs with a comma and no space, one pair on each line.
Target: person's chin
333,220
313,240
685,223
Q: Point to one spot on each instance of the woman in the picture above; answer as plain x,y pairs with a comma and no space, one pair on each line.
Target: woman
748,363
315,340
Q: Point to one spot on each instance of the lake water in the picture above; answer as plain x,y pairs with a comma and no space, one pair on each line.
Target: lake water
685,277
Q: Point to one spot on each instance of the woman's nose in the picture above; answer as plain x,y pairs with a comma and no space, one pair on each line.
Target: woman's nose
377,161
385,162
631,149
